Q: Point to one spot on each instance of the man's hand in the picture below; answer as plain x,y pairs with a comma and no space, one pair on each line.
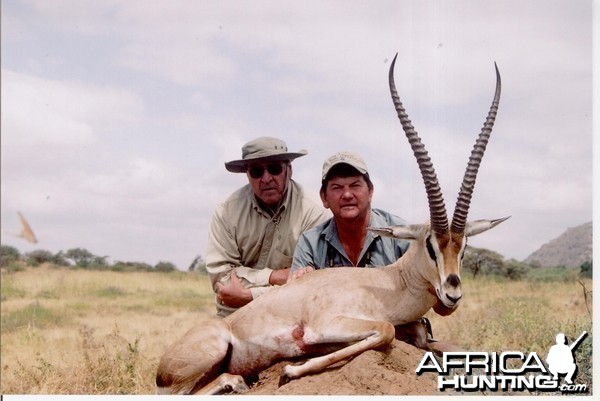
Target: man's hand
234,295
279,276
299,273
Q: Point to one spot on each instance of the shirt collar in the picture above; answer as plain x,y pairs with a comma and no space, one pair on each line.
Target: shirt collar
331,236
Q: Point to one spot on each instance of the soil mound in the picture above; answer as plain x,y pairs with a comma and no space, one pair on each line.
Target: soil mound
390,371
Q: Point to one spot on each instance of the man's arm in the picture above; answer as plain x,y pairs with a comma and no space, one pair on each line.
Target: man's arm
223,260
303,261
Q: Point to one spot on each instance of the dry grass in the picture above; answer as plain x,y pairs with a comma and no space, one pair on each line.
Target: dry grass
93,332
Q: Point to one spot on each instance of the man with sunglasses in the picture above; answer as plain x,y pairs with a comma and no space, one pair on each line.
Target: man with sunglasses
253,233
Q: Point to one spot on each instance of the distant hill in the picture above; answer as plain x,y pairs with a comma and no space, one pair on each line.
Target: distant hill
572,248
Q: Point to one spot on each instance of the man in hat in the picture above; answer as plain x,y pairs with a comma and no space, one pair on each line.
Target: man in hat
344,240
253,233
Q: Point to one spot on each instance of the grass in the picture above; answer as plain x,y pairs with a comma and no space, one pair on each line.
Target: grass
499,315
93,332
103,332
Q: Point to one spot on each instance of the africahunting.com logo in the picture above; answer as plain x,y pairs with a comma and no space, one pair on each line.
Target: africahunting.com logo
508,371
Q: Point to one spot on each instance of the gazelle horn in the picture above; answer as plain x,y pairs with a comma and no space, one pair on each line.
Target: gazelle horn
437,208
461,210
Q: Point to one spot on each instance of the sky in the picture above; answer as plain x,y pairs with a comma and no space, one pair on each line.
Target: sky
117,116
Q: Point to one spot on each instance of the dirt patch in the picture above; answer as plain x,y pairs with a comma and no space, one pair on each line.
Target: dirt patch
387,372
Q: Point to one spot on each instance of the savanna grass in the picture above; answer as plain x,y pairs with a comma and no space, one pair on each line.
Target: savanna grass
103,332
502,315
93,332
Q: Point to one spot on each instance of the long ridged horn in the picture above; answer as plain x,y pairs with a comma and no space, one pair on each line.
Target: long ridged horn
461,210
437,208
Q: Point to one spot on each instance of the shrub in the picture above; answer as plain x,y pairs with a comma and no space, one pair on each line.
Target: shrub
165,267
37,257
8,255
514,270
586,269
130,266
32,315
81,257
549,274
59,259
482,261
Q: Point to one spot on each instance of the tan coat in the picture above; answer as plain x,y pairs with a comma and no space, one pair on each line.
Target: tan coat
246,239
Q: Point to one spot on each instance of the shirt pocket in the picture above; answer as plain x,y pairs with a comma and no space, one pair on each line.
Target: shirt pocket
279,260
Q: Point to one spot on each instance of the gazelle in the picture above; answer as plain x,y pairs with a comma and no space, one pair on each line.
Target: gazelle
334,314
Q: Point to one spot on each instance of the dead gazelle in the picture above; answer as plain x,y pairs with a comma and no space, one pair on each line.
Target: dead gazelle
305,317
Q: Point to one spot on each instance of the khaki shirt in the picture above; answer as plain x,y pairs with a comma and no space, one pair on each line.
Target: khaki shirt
244,238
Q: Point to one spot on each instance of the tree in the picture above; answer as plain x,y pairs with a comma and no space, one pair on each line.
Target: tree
81,257
586,269
165,267
59,259
198,265
482,261
37,257
99,261
8,255
131,266
514,269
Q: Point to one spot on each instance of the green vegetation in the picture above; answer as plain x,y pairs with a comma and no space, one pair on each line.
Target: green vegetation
32,316
100,330
11,260
483,262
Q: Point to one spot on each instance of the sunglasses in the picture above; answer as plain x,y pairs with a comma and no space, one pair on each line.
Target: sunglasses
258,171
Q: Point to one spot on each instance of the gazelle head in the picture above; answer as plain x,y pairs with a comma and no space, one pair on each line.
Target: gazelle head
443,243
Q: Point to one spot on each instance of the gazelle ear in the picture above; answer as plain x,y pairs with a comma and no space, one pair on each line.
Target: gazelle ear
399,232
478,226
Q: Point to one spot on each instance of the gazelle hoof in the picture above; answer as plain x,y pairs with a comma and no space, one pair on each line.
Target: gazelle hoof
287,375
233,383
283,379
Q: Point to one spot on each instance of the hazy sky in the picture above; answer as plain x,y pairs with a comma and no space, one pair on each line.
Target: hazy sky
117,116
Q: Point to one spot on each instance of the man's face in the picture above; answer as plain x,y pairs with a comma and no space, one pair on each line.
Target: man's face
347,197
269,180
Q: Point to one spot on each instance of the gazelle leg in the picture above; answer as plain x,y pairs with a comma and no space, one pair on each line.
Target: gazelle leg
363,335
225,382
414,333
195,360
418,334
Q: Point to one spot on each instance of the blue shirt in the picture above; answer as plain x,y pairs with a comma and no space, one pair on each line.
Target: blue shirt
320,247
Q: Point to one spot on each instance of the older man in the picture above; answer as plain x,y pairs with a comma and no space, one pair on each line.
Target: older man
253,233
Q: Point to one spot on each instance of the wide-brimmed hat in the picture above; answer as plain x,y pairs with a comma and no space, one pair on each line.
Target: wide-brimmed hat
349,158
262,149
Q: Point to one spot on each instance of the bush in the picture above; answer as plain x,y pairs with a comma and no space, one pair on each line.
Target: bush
130,266
514,270
59,259
80,257
165,267
8,255
198,265
482,261
549,274
586,269
37,257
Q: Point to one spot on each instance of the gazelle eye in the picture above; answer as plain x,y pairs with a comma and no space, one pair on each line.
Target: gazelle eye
430,249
